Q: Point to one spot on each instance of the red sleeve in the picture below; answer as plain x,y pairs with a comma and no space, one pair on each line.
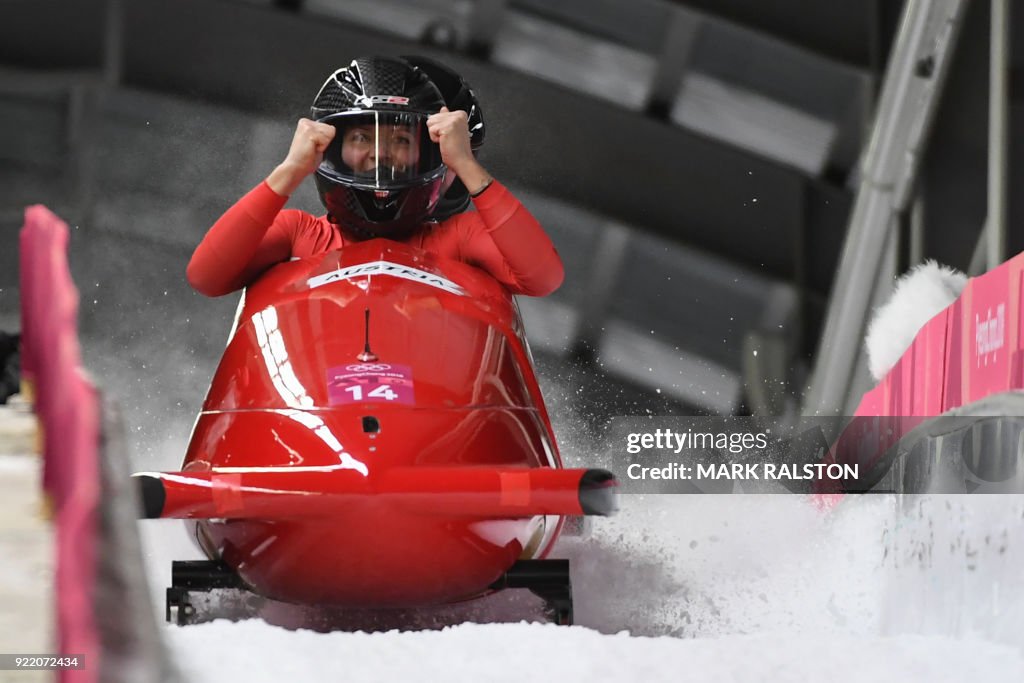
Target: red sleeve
509,243
250,237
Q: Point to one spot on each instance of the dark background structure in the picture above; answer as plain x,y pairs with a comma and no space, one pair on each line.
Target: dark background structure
696,163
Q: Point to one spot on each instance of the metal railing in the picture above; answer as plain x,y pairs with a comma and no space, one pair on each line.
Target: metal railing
906,109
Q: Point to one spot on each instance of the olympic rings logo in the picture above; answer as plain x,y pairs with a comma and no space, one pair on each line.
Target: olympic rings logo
368,367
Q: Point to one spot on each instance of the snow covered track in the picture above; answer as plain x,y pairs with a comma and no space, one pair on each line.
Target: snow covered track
752,588
26,556
512,653
755,588
953,567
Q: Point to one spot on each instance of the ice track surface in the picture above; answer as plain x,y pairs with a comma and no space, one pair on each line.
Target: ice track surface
703,587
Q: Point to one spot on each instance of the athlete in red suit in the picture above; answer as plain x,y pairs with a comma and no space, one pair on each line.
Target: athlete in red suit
501,236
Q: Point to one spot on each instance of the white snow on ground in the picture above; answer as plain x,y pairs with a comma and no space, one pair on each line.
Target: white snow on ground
26,558
709,588
524,652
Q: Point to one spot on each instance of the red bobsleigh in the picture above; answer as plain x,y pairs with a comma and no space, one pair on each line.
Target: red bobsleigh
375,437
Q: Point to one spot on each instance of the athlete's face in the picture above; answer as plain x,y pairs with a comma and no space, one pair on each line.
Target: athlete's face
364,148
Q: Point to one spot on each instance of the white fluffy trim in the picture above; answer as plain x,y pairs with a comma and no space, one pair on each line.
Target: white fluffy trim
919,295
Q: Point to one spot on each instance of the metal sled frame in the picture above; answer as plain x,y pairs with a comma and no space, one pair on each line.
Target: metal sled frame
547,579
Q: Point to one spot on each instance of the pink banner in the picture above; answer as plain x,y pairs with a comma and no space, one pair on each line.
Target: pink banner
972,349
928,365
986,349
67,407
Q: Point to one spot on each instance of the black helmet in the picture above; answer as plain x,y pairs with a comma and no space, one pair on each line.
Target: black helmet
381,175
457,95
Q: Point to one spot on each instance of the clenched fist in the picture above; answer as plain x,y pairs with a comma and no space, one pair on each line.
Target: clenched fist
450,130
304,156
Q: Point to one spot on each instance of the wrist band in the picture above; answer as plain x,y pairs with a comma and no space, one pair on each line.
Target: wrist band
481,190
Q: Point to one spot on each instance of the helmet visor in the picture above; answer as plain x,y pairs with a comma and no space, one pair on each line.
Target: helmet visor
380,150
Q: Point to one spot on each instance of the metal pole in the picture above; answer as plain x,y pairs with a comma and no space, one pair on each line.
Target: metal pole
906,108
605,268
980,254
917,217
676,52
113,43
997,133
